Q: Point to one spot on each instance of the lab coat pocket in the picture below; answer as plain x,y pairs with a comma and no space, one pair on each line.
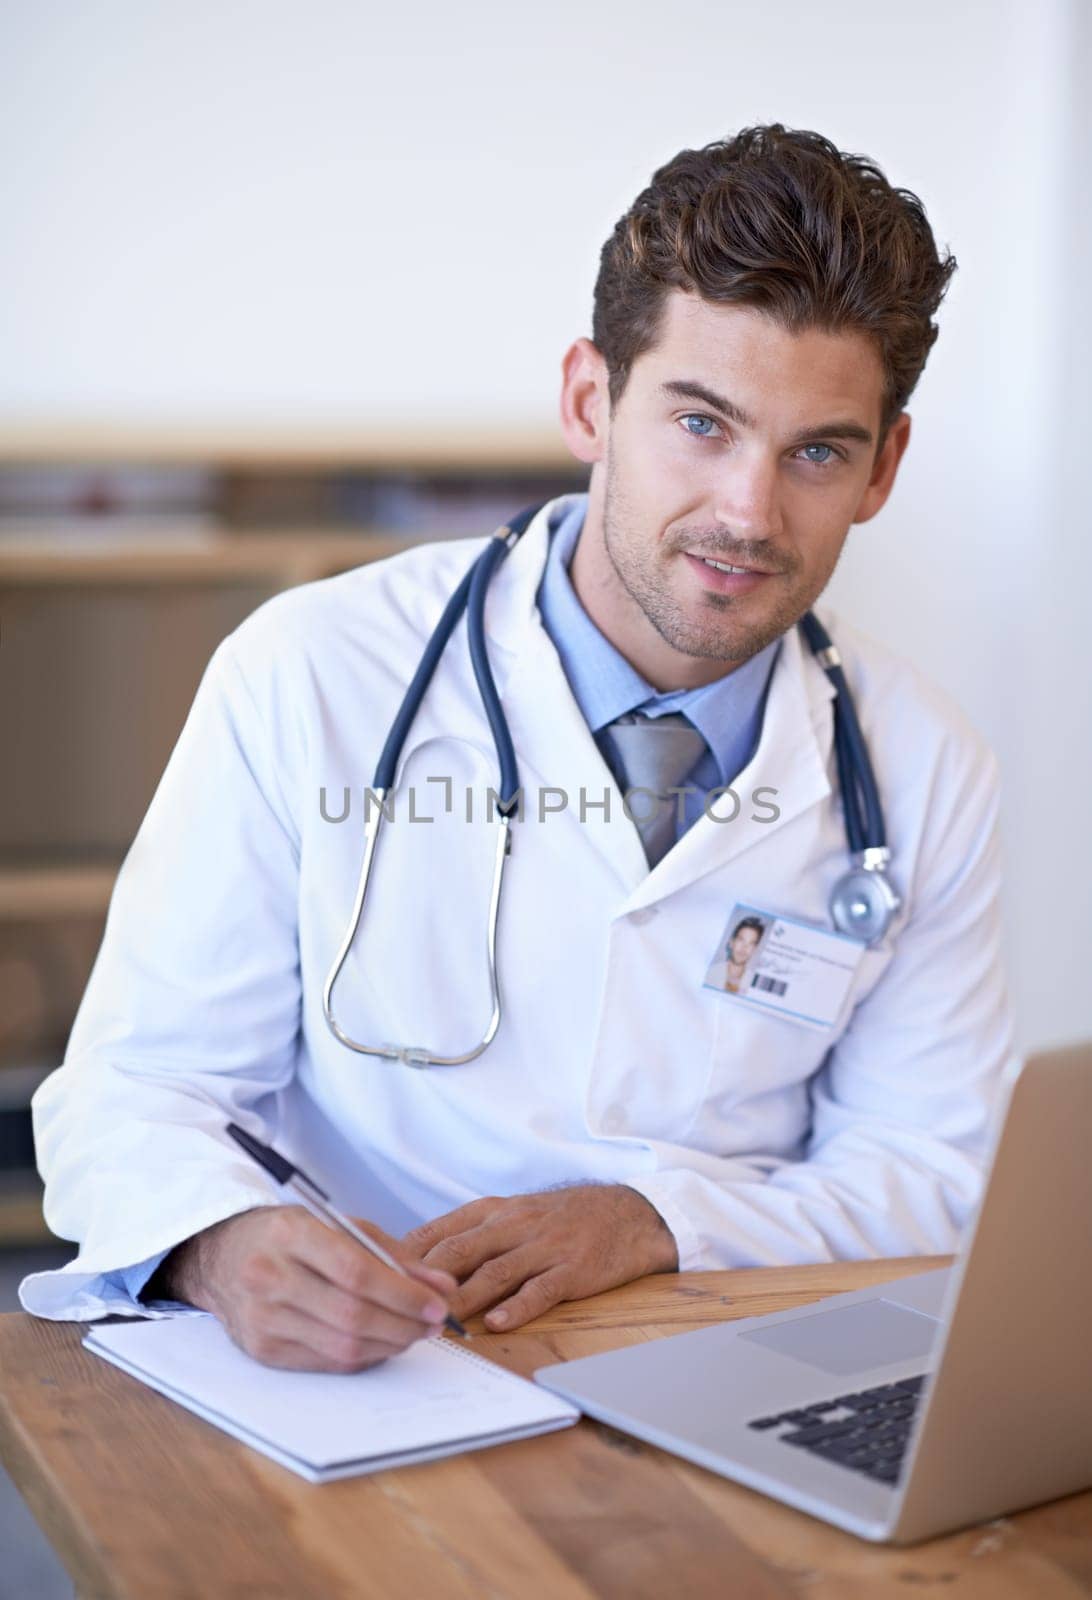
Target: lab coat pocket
755,1098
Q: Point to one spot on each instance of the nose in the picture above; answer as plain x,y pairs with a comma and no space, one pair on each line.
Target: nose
747,499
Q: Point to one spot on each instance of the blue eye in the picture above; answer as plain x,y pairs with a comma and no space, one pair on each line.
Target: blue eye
696,416
831,455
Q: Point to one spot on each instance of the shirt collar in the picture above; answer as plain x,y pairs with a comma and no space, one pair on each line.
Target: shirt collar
727,712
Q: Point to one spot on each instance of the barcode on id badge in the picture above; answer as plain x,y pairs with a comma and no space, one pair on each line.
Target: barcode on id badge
770,985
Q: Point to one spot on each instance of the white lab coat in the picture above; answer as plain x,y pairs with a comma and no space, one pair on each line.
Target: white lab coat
758,1141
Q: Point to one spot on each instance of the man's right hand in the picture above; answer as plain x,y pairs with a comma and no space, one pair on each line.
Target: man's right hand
294,1293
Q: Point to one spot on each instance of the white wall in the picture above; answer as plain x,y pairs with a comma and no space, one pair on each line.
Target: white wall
333,211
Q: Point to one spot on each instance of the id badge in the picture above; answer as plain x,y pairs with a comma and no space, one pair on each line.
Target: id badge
801,972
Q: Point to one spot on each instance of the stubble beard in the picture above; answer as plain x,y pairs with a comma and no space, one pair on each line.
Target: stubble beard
721,633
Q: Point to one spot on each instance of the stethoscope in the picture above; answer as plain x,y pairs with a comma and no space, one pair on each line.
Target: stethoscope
862,902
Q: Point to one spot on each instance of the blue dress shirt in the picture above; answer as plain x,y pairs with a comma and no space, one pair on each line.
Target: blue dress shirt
727,712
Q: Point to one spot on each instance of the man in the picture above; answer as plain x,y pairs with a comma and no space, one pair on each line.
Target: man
762,314
741,947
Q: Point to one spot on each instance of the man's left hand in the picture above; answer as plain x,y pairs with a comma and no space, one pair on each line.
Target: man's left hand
527,1253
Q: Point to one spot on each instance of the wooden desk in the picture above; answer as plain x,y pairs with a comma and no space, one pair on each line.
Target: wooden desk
146,1502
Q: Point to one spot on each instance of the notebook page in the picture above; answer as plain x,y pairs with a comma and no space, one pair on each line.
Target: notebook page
433,1394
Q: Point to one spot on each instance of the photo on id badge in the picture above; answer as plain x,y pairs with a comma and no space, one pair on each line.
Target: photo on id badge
747,930
796,969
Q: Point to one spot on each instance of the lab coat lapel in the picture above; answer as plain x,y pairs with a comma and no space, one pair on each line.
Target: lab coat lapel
452,707
554,745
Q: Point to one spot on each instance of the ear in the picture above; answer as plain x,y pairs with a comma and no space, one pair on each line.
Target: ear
882,480
585,401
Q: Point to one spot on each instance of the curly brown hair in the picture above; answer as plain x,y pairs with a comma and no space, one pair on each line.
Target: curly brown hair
780,220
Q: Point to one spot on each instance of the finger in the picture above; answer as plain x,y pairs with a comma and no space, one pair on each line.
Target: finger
397,1248
421,1239
347,1313
327,1349
284,1353
496,1279
444,1281
464,1253
289,1355
349,1266
374,1231
535,1297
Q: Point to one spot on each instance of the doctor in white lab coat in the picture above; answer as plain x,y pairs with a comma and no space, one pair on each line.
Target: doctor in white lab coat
627,1117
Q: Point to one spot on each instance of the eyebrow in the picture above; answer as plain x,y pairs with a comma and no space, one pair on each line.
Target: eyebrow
685,390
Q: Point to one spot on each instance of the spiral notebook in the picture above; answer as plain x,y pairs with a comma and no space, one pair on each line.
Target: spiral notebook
434,1399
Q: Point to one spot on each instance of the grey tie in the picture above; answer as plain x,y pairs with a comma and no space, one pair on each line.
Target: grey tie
654,753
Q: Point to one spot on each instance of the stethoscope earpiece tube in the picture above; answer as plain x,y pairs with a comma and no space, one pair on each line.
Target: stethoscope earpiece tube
480,575
468,597
875,834
847,787
396,738
855,775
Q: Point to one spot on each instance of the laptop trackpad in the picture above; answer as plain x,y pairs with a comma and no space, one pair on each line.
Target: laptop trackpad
851,1338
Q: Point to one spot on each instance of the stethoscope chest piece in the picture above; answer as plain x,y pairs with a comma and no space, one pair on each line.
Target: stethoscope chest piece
863,903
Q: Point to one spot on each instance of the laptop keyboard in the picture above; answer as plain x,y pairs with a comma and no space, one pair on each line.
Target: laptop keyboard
866,1431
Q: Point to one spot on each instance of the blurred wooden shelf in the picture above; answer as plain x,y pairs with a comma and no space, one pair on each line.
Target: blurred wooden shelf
294,556
21,1219
422,446
113,596
40,893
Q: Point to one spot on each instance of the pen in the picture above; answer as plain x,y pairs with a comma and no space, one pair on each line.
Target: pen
318,1201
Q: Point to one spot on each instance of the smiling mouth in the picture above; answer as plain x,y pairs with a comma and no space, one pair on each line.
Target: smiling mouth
725,566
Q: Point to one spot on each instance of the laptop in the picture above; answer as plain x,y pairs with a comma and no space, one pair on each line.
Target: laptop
920,1406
